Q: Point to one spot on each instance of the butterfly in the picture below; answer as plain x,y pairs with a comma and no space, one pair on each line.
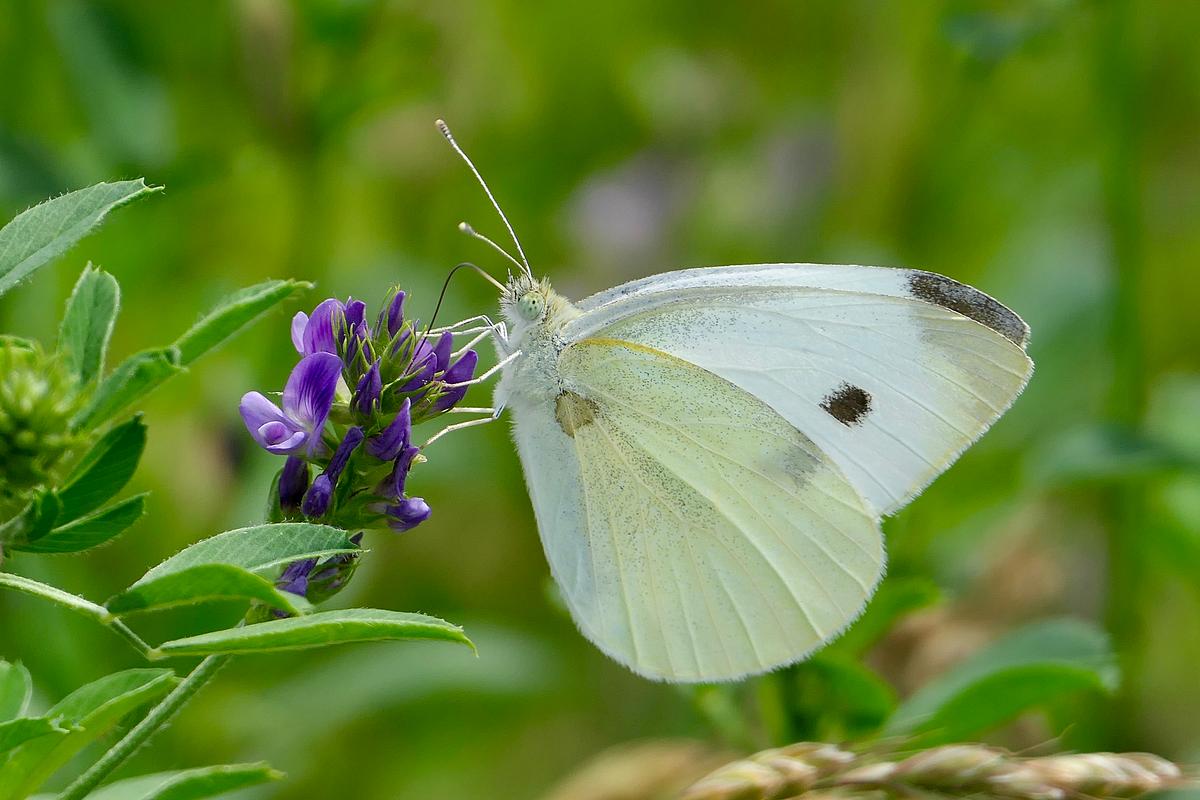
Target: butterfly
709,452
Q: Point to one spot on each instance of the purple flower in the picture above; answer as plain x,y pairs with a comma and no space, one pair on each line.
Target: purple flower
395,314
422,367
442,350
460,372
395,437
408,514
293,481
315,334
393,486
366,393
316,501
295,578
307,399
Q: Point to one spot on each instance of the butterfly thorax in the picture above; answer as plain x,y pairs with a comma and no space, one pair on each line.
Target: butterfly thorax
536,316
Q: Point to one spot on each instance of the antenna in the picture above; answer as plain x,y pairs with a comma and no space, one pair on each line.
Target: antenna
445,131
469,231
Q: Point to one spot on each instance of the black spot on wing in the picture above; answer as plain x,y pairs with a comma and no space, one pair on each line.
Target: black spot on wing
971,303
847,404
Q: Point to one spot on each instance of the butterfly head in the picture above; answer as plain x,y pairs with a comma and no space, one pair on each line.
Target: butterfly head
527,302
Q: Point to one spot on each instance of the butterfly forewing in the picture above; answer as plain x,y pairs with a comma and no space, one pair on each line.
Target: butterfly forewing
695,533
892,373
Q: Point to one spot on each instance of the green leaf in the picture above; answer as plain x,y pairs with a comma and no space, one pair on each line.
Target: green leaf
17,732
846,699
187,784
203,583
1062,656
16,688
91,531
104,470
87,324
318,630
33,522
896,598
44,232
53,594
224,566
89,712
133,378
232,314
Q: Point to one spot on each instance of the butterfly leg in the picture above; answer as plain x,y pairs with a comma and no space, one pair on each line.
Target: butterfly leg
500,331
458,426
501,364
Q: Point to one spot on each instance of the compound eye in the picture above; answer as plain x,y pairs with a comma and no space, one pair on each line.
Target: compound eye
531,306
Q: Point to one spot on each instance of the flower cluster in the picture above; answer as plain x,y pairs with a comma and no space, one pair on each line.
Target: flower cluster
348,410
37,399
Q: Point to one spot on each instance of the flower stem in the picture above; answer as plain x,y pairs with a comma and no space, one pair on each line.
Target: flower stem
141,733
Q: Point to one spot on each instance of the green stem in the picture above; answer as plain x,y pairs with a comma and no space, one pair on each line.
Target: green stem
141,733
77,604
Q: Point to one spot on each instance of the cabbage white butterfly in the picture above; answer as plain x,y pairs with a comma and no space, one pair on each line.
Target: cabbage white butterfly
709,451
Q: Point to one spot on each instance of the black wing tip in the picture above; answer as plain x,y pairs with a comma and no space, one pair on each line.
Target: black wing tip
969,302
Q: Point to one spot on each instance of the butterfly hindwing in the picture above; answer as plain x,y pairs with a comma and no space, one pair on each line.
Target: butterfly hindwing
695,533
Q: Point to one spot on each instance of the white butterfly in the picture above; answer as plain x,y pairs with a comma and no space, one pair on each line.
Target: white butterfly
709,451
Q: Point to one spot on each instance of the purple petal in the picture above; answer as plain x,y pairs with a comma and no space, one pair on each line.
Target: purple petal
393,486
295,578
366,393
318,333
299,323
408,513
310,388
293,481
345,449
422,368
355,311
316,501
395,314
395,437
461,371
269,426
445,344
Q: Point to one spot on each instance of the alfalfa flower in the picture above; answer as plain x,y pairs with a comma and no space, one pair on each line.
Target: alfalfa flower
307,400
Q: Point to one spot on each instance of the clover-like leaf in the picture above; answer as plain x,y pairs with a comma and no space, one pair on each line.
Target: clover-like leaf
42,233
104,469
132,379
92,530
320,629
88,322
232,314
84,715
227,566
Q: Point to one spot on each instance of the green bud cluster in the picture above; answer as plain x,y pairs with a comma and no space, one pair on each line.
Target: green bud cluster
37,400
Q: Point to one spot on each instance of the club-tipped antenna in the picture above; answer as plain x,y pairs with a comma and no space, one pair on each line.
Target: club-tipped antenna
469,231
445,131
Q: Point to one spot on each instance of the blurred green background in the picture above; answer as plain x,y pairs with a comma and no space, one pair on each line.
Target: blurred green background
1045,152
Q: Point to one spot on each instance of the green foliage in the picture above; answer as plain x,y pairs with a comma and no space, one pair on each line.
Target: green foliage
1032,667
88,323
225,566
318,630
46,231
188,784
53,594
131,380
16,688
104,469
233,314
17,732
84,715
90,531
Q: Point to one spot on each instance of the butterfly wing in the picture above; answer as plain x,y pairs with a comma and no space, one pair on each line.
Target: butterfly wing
695,533
892,373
